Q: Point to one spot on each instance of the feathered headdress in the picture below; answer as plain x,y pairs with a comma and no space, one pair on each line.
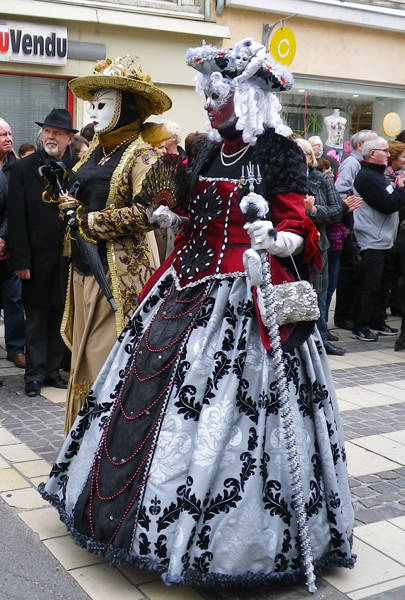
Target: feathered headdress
247,60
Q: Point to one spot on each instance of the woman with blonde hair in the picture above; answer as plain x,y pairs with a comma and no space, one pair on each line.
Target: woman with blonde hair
181,461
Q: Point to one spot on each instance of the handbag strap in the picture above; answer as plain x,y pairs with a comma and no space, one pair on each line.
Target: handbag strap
292,260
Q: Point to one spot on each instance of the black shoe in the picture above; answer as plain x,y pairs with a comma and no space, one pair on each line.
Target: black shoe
385,330
365,336
400,343
333,350
57,382
33,388
344,324
331,337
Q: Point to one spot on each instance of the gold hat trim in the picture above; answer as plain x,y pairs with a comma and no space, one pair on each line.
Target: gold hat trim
82,87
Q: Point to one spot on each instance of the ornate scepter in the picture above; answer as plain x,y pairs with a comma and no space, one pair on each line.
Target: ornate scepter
257,265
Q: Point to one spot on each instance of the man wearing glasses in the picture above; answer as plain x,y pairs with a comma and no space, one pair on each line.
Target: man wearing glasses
375,226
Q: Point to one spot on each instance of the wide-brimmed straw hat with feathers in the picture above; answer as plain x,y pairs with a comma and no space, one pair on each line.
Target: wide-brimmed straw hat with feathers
123,74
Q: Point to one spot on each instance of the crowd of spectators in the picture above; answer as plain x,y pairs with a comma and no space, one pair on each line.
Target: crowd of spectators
33,270
357,206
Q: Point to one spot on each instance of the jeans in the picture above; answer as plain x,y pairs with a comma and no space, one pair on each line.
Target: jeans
13,310
373,288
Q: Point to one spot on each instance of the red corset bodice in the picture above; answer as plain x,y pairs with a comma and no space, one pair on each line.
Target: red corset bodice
217,240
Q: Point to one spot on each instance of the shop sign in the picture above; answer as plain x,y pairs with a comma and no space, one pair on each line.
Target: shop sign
391,124
282,45
33,43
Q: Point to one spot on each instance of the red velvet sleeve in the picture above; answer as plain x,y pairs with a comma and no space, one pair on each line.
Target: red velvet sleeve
288,212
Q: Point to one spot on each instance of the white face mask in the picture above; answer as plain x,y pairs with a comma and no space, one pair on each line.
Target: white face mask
242,59
103,111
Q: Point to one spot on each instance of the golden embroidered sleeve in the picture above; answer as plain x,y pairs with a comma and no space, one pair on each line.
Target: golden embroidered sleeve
114,223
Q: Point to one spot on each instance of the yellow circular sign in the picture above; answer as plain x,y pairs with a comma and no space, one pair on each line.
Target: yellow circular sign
391,124
282,46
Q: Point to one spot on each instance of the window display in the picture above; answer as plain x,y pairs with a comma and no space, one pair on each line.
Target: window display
335,110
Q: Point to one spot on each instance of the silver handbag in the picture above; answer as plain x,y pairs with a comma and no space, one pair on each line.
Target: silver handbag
295,301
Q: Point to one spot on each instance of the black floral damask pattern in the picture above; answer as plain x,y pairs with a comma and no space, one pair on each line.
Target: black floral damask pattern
249,472
187,404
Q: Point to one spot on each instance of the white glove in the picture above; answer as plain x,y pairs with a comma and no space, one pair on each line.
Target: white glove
163,218
263,236
253,266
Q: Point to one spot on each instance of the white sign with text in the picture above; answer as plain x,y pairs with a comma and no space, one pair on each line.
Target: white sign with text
33,43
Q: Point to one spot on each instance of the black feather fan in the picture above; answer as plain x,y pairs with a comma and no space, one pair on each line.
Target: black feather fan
165,183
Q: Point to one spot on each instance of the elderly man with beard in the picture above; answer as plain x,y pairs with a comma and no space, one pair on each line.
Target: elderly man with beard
35,240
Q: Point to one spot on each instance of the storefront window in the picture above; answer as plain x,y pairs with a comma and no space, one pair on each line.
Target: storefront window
24,100
335,110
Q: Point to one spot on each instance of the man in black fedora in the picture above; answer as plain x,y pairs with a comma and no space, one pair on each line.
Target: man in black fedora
35,241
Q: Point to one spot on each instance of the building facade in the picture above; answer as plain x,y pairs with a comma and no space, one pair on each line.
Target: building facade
45,43
350,57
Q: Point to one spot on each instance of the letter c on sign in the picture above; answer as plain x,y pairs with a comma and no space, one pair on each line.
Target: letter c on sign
282,46
279,50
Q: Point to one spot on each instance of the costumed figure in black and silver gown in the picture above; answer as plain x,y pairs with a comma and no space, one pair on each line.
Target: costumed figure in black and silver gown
178,460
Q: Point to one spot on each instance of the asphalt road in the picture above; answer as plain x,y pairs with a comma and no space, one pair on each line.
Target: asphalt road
28,571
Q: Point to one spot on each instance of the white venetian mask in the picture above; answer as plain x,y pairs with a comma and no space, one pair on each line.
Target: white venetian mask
105,109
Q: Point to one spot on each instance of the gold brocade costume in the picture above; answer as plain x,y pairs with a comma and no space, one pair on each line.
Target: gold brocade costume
89,325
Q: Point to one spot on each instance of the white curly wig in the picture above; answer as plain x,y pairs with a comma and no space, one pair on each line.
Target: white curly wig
255,108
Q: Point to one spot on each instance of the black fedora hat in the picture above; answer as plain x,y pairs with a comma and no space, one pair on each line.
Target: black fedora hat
59,117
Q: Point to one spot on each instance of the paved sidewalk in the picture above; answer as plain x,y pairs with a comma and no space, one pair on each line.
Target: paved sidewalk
370,382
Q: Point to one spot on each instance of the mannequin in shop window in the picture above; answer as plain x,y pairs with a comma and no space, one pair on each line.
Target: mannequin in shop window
335,126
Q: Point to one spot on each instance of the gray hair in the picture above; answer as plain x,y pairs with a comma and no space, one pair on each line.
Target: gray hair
361,136
371,144
314,140
174,129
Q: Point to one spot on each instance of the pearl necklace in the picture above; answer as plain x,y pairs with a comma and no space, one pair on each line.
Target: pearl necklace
107,157
239,154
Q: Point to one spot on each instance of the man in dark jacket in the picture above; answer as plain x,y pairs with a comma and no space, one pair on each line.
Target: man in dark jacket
13,309
35,240
375,226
